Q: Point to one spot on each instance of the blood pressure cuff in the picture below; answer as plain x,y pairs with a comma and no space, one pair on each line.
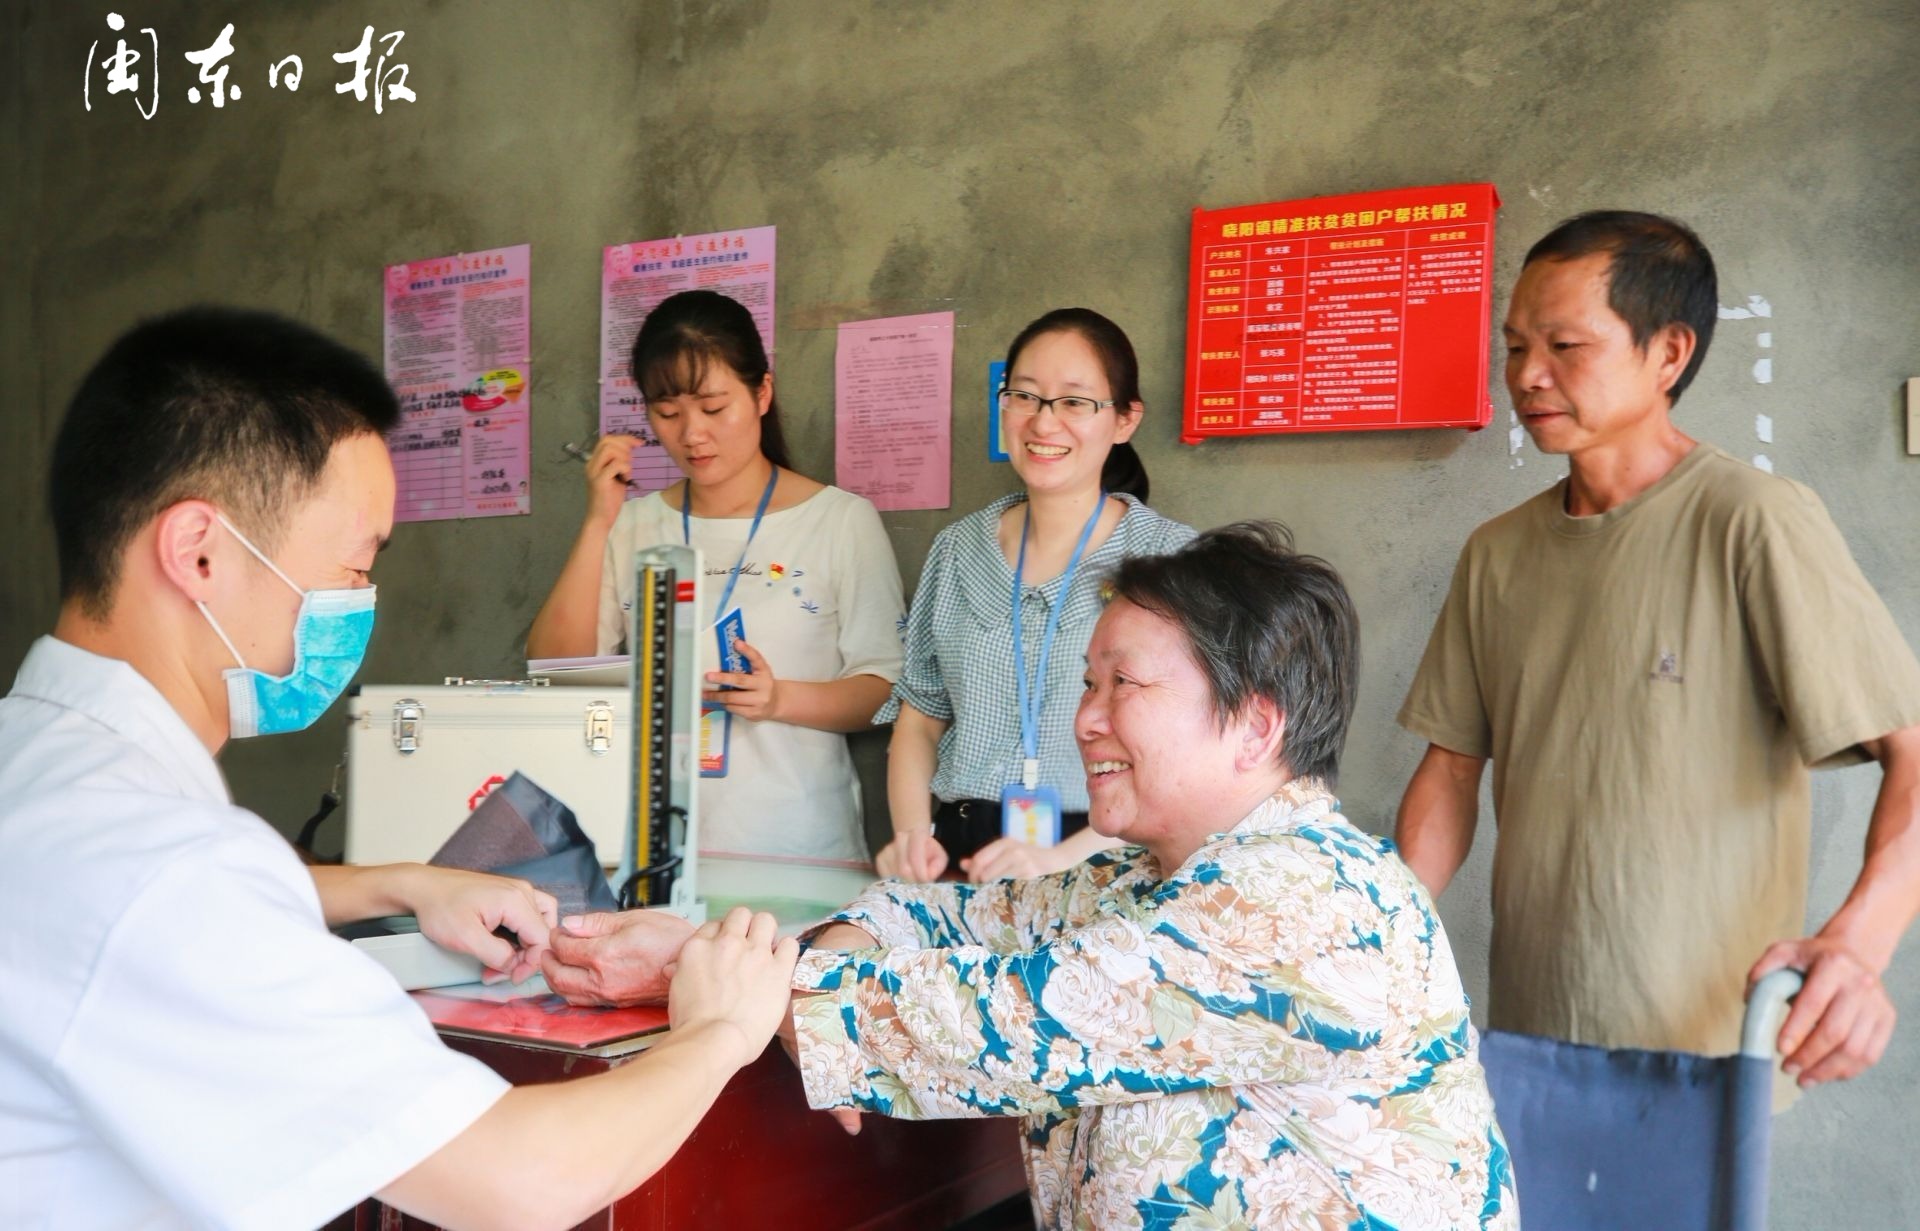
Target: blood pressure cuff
522,831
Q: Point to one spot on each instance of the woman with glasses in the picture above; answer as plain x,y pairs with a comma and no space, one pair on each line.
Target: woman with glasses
982,775
807,568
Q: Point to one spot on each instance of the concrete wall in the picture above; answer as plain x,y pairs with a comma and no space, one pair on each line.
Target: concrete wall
1000,159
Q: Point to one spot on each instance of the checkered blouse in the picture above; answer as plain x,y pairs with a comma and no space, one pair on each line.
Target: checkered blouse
959,646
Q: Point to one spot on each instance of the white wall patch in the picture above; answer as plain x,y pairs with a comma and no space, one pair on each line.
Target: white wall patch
1756,306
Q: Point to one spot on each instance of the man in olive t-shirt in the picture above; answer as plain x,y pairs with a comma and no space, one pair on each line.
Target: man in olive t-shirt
1653,652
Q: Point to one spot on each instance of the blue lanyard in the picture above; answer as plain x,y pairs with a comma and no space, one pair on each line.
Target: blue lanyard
1030,708
686,534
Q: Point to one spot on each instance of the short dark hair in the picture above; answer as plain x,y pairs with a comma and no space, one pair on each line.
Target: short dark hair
1660,275
1261,621
237,407
1123,471
686,332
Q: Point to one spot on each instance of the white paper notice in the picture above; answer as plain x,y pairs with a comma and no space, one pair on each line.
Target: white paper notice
634,278
893,392
457,354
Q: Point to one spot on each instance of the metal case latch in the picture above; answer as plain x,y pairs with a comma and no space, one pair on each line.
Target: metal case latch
599,727
407,716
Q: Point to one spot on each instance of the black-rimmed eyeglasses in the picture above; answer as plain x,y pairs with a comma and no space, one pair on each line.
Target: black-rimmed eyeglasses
1027,405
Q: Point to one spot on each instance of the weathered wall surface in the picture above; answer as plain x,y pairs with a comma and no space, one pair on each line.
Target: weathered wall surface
1000,159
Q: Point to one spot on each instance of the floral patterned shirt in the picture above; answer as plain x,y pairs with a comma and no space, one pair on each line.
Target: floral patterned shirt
1274,1036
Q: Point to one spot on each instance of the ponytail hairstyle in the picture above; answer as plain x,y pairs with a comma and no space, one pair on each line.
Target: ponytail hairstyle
1123,470
684,334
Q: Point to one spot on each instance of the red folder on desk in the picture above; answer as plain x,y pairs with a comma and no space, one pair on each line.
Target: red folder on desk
543,1020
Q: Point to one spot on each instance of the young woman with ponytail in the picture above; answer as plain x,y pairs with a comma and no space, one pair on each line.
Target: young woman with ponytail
980,717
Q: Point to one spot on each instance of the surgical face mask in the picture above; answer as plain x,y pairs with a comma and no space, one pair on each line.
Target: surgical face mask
329,640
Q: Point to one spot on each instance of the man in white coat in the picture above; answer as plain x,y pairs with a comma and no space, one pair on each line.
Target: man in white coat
182,1041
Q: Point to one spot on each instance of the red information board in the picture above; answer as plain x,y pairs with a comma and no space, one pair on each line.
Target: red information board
1362,312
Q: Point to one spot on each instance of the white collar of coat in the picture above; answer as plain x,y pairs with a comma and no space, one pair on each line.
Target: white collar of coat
110,692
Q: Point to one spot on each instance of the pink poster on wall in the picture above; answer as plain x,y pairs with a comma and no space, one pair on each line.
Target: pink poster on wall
893,420
457,354
634,278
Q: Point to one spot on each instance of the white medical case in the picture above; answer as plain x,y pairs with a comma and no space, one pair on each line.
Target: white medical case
420,757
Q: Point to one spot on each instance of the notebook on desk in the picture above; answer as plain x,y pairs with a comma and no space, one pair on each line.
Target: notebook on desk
529,1014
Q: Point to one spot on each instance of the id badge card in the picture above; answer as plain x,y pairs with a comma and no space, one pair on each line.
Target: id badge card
716,728
716,724
1031,814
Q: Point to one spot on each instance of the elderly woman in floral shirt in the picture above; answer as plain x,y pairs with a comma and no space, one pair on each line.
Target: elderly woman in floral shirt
1248,1018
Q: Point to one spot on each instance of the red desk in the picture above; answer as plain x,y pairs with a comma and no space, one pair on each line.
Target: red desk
761,1158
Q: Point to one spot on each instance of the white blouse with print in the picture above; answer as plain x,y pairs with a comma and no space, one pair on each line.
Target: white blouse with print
819,592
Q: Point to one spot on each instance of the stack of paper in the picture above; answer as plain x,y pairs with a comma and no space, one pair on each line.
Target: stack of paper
600,671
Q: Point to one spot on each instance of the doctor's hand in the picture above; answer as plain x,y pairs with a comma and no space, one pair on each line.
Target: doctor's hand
753,694
608,470
1841,1020
615,958
461,910
913,855
735,978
